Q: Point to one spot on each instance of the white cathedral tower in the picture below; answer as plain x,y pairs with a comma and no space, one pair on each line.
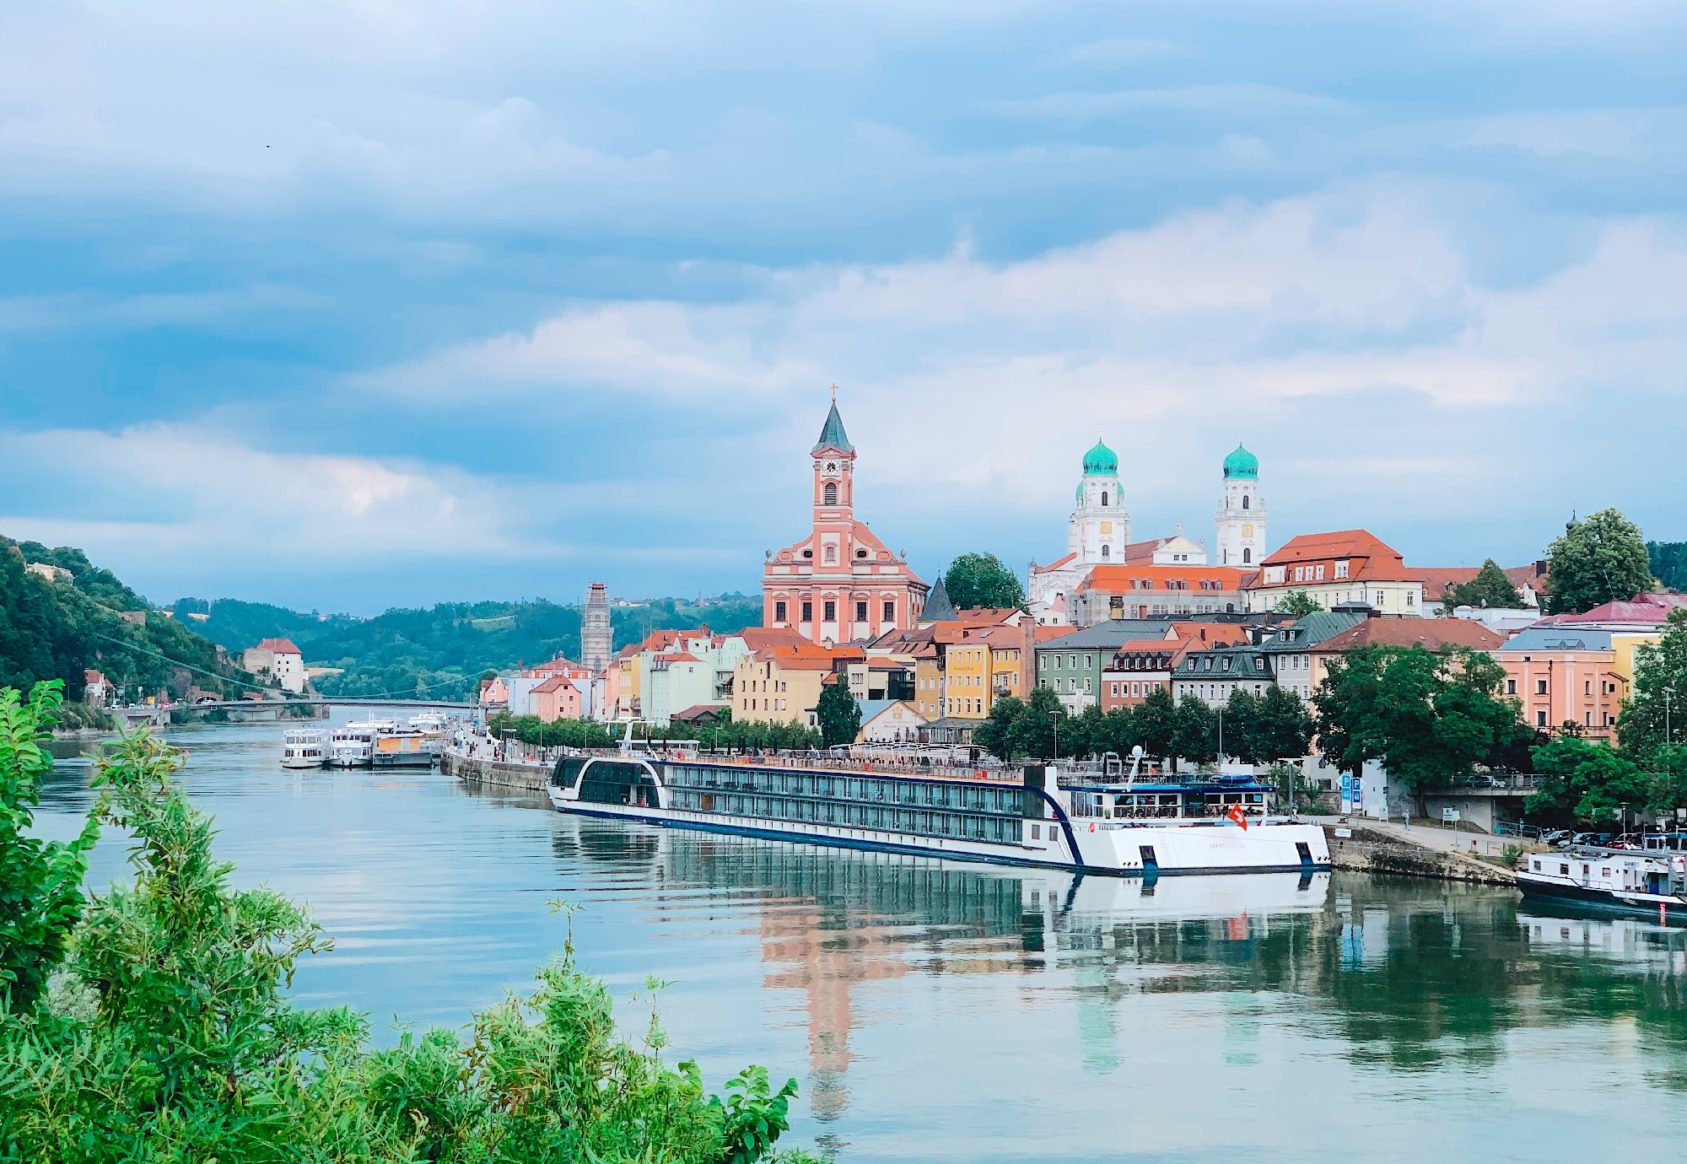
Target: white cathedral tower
1241,515
1100,528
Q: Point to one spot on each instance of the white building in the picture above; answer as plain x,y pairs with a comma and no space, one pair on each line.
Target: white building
1096,534
1241,515
279,661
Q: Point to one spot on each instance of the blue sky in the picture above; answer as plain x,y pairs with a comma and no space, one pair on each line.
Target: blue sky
347,305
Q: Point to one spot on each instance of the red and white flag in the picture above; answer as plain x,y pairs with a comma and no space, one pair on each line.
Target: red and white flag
1236,814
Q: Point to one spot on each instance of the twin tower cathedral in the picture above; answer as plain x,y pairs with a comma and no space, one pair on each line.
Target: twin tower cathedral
841,584
1099,530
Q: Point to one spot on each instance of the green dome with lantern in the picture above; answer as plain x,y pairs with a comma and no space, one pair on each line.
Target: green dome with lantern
1101,461
1241,465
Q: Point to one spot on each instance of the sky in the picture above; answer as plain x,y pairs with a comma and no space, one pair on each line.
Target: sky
361,304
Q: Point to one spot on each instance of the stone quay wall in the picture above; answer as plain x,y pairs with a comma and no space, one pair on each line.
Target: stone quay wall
532,778
1369,851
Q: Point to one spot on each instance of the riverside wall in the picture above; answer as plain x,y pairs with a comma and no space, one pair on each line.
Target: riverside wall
532,778
1370,851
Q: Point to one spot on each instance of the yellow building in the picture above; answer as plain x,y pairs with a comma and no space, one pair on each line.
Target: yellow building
928,686
780,685
1623,649
966,690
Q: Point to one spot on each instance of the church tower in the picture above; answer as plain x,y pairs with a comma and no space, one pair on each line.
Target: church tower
840,583
1100,527
596,638
1241,515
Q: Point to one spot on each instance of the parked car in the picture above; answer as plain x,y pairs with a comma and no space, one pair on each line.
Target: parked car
1556,837
1591,839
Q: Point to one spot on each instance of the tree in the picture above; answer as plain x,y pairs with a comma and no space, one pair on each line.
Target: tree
1660,692
1282,728
41,897
1042,727
1194,731
839,715
1590,780
1089,730
995,733
1429,717
1491,588
974,580
1153,723
1668,560
1238,727
1298,604
1597,560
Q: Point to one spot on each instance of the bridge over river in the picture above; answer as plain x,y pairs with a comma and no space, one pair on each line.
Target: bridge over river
271,708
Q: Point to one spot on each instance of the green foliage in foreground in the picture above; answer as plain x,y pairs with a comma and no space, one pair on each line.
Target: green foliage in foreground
168,1035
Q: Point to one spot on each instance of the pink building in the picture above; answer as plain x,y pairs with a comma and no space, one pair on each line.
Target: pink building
556,698
840,584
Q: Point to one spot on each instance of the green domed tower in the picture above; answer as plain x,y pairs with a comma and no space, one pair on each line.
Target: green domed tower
1100,526
1241,515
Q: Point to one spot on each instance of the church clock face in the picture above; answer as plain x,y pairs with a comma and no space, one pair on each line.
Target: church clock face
1248,529
1106,527
829,469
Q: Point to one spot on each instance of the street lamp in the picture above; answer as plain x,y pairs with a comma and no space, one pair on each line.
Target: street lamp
1221,735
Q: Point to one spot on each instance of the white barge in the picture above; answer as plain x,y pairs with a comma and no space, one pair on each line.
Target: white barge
1626,880
304,748
1124,826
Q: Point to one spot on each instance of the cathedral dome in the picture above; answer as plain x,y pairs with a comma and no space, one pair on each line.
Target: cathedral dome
1100,461
1241,464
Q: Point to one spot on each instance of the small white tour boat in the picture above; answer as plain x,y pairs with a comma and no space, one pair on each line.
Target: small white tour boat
353,744
304,748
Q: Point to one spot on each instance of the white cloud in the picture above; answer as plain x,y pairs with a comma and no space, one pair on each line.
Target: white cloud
1350,319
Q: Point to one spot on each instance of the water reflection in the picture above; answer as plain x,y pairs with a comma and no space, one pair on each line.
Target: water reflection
967,1012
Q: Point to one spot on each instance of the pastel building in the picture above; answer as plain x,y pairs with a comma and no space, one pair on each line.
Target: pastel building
279,661
1344,566
840,583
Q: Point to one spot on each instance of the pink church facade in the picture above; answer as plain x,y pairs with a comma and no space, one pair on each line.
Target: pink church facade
840,584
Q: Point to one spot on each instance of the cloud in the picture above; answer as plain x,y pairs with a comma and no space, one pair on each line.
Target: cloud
1232,99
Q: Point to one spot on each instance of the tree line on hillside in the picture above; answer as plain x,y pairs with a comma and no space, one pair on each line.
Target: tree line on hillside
153,1021
57,628
442,651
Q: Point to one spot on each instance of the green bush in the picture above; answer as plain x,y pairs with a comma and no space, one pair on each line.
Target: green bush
168,1036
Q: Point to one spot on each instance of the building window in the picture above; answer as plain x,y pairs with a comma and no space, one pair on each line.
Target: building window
1247,555
1244,501
1104,499
1587,687
890,610
1540,686
1106,551
860,612
1341,569
831,494
831,611
808,612
831,555
778,612
1540,719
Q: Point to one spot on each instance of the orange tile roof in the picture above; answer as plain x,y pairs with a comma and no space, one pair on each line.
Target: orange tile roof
555,683
1369,558
279,647
1431,633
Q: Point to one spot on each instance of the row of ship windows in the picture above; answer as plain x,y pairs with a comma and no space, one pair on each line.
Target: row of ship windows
1000,830
928,793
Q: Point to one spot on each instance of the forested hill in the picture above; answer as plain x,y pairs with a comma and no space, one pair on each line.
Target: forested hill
57,628
442,651
1669,563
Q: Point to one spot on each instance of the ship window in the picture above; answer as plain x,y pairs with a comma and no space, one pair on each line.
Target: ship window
1036,832
1564,870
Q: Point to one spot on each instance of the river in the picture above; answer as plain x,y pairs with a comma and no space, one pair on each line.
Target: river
939,1012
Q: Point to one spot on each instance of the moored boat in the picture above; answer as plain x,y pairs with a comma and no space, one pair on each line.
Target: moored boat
1609,879
1092,821
405,747
353,744
304,748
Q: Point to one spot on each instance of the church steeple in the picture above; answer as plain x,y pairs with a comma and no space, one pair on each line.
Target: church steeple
832,435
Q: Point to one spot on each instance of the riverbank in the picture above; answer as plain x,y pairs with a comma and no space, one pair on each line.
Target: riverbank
520,777
1373,847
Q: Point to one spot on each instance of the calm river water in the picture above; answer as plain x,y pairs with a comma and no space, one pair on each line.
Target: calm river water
963,1013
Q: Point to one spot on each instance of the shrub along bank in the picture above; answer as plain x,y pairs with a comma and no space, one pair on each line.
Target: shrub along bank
150,1022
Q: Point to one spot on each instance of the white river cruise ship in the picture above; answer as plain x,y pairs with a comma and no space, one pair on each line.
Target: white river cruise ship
1074,817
